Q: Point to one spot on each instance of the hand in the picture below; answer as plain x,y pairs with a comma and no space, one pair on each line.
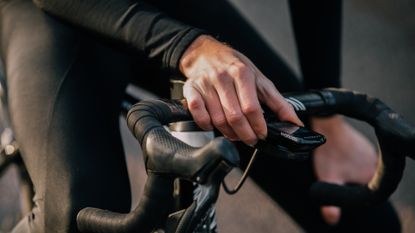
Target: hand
347,157
224,89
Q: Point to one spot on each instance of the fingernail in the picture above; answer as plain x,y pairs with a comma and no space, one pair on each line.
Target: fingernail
331,215
231,138
252,144
262,136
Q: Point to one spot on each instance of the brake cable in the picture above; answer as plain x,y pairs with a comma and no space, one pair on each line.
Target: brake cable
243,178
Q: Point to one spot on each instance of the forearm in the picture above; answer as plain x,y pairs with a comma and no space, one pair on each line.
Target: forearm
317,28
133,23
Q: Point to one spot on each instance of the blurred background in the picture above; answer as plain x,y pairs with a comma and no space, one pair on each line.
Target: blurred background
378,58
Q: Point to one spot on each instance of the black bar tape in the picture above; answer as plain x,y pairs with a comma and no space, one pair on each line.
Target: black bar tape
395,136
153,207
166,158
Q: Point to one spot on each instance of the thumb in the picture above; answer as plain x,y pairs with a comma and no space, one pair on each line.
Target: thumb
331,214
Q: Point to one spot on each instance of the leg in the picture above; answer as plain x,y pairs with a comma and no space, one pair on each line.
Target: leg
317,29
64,93
317,26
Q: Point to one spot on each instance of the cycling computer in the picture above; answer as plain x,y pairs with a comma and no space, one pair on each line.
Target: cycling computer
290,141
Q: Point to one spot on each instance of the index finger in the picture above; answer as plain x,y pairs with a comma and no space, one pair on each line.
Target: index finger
268,93
246,91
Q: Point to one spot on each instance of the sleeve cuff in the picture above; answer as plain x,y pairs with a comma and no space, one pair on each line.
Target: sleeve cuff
173,58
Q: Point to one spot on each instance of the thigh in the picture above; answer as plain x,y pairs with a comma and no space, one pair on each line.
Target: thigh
64,92
288,183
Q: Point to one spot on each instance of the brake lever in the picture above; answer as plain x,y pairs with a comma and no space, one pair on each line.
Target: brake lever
192,219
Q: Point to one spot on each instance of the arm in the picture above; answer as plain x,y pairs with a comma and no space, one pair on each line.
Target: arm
133,23
224,88
317,29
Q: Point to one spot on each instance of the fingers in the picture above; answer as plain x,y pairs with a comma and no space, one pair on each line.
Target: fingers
197,107
230,98
331,214
224,86
203,96
248,98
268,93
231,101
231,105
325,173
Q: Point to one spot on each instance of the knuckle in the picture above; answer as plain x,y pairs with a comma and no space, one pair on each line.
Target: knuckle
270,84
287,111
238,69
203,121
235,118
201,83
260,127
250,110
219,121
289,107
220,75
194,104
283,106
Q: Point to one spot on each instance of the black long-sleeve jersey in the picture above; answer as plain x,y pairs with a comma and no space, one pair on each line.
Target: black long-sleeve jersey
135,23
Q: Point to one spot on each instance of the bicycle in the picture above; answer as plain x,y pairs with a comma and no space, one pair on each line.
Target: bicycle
167,158
10,154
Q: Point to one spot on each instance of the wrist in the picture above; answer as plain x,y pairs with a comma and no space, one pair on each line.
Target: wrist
192,52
